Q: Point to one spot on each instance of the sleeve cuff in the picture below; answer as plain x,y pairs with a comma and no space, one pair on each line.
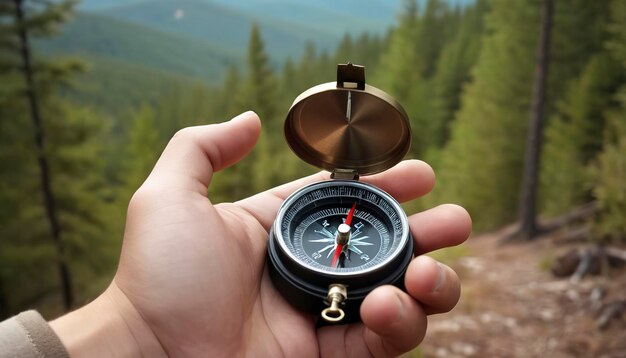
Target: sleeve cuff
29,335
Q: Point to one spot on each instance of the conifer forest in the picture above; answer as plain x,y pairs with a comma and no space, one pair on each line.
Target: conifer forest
518,105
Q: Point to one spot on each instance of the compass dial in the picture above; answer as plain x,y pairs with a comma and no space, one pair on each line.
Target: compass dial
336,241
308,225
315,239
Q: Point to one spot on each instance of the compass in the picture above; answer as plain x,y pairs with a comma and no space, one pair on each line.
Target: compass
335,241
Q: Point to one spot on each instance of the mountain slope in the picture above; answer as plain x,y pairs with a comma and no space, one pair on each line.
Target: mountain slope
96,35
345,16
114,87
219,24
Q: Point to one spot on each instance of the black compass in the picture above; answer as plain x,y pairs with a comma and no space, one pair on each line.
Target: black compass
334,241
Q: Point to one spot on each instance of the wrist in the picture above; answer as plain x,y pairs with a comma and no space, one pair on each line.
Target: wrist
110,326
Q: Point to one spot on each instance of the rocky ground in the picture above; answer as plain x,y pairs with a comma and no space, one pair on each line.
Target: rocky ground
512,306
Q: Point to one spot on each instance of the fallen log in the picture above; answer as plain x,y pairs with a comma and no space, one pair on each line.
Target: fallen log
592,260
612,311
579,214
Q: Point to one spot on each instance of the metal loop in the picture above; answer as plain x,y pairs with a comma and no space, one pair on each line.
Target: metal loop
331,315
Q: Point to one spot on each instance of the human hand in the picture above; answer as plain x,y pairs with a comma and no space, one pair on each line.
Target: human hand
192,279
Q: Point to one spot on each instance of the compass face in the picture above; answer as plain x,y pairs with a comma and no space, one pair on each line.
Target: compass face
308,228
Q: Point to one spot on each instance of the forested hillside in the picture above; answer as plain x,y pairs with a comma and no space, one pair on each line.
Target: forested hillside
465,75
105,37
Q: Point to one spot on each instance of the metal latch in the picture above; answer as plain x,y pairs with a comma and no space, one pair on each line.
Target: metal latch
351,76
347,174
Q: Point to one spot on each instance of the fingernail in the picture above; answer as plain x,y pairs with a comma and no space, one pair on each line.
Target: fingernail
441,278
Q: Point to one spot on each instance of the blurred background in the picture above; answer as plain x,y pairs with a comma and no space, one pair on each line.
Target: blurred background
519,105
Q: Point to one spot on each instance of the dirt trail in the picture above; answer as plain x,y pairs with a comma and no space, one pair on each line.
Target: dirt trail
512,306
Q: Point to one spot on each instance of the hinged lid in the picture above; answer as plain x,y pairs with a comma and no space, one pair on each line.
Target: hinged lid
348,126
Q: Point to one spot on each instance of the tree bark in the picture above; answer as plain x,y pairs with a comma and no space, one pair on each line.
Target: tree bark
528,201
44,170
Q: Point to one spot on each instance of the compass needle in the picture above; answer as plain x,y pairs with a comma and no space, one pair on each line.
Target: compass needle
343,236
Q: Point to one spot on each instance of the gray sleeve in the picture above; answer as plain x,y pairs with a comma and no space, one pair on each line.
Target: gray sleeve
29,335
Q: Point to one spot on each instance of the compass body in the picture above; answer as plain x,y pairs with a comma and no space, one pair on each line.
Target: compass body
335,241
303,243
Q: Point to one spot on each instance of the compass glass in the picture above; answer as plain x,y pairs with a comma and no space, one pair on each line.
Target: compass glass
308,227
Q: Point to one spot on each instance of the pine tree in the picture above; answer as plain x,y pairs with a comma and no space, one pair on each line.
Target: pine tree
609,169
579,33
574,135
481,164
453,71
434,28
142,149
54,237
527,215
77,148
33,81
397,73
258,93
225,107
609,180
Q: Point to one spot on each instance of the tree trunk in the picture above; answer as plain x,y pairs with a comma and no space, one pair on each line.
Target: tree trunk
4,302
528,201
44,171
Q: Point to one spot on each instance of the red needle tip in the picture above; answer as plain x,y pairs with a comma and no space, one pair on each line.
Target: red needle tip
350,215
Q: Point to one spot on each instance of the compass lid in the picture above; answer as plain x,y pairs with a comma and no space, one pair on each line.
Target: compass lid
348,126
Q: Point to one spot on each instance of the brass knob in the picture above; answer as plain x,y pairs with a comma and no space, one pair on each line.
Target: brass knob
337,294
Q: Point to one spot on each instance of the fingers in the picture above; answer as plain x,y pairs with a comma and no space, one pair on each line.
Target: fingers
436,286
405,181
195,153
394,322
442,226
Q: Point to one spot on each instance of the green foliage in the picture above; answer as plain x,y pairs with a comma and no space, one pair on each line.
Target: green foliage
578,34
258,92
397,72
428,61
83,200
114,87
608,171
481,164
76,151
609,177
574,135
457,58
38,127
143,146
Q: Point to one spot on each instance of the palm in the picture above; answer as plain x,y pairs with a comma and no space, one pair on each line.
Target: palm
215,258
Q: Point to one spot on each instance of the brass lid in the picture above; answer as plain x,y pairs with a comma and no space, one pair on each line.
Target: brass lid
348,125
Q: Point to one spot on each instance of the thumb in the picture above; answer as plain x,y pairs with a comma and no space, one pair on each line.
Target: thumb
195,153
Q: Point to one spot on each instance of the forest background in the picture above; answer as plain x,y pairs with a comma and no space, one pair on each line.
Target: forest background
89,97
